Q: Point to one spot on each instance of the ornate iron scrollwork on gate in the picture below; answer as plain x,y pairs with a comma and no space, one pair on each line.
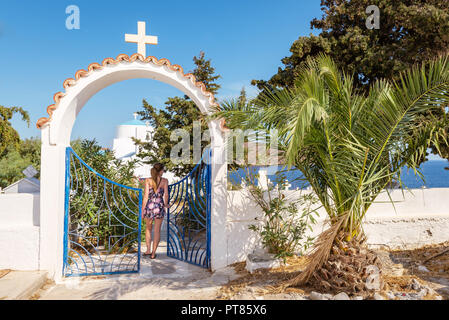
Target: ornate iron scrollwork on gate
102,222
188,236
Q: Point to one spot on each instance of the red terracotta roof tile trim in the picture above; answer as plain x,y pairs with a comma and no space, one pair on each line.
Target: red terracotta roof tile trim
120,58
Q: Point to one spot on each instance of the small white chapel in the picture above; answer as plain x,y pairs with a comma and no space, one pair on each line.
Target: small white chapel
126,150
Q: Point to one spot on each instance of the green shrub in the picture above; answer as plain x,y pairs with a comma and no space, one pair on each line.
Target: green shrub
285,220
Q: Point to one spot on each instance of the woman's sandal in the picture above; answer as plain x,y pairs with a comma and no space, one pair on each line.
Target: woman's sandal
155,255
147,254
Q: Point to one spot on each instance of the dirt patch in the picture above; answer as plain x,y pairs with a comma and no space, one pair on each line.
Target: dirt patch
424,264
412,259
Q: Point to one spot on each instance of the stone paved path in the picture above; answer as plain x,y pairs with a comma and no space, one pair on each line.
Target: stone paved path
161,278
168,278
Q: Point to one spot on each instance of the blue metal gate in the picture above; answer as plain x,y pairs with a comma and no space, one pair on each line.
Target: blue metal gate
102,222
188,219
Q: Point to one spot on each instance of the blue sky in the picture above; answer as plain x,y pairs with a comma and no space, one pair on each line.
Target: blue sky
244,39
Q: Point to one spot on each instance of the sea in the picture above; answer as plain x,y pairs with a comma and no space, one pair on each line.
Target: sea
435,174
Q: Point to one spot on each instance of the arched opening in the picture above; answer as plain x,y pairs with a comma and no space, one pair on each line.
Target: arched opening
56,132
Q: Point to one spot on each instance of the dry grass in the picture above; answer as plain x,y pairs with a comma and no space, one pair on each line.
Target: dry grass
4,272
265,281
438,266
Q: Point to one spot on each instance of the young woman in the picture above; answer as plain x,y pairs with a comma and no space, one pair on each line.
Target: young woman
155,202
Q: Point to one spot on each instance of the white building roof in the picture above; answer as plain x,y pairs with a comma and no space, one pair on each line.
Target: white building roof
25,185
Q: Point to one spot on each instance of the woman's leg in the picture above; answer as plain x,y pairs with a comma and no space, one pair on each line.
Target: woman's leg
157,234
149,225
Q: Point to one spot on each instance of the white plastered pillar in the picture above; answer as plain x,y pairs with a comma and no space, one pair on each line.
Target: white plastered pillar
219,250
52,206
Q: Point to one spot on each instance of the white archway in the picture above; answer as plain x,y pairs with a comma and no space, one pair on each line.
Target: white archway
57,128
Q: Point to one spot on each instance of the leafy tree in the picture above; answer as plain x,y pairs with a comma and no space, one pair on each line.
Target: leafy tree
410,32
8,135
31,149
179,113
283,225
104,162
16,159
205,73
349,146
11,167
100,204
242,98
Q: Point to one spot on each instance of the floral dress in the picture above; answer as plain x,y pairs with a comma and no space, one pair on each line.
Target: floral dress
155,205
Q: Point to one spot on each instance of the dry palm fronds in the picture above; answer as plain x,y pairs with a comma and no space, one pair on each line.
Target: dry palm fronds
338,264
320,254
4,272
352,270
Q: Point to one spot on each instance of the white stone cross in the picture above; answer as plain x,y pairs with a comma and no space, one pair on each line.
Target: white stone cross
141,38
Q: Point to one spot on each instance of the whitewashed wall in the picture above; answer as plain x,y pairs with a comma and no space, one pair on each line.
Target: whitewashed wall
19,231
418,217
421,217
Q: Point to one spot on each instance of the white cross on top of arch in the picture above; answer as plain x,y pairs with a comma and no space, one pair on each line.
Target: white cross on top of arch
141,38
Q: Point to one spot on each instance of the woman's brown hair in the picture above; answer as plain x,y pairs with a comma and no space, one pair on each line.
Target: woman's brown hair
155,171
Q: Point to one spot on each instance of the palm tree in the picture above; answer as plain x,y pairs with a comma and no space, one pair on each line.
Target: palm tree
350,146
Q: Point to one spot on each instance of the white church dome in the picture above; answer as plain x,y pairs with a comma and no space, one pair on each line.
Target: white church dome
123,145
125,149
